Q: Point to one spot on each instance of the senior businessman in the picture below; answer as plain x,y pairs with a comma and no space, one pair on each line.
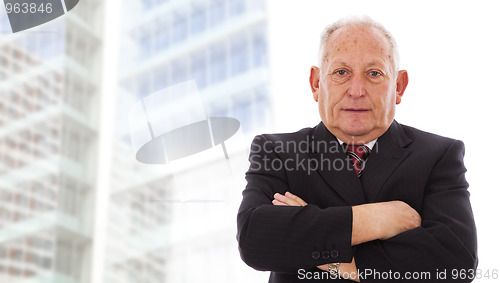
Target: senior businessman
359,196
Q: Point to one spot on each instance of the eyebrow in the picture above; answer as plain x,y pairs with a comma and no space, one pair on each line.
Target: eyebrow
371,64
376,64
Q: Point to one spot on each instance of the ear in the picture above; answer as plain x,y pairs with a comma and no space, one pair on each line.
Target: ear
314,81
401,84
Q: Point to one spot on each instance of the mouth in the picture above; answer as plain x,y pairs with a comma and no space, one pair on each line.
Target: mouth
356,110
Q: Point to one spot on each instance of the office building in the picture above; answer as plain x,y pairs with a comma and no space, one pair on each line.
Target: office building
176,222
49,89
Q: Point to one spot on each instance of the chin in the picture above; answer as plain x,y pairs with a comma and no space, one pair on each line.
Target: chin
358,130
356,133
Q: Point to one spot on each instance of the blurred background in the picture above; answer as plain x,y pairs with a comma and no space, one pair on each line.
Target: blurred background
76,205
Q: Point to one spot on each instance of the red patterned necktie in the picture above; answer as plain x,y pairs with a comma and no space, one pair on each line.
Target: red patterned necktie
359,154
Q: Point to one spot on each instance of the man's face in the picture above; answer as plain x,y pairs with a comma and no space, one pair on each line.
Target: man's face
357,89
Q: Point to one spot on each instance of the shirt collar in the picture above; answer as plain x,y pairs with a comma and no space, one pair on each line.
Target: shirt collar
368,144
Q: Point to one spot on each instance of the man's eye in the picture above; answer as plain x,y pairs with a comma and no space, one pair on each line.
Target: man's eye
341,72
375,73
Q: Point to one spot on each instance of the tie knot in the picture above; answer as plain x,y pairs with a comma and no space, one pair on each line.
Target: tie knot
359,154
361,151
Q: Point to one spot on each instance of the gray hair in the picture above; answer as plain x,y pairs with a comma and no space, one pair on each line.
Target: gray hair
356,21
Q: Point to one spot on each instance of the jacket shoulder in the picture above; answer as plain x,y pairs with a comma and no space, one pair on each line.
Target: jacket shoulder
292,136
427,139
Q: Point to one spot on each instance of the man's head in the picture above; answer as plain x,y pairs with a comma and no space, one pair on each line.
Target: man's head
358,83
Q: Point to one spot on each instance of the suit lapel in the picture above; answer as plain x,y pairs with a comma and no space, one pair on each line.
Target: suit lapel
343,181
388,153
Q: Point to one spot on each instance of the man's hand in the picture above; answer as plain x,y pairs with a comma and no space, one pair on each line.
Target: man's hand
372,221
346,270
404,218
381,221
288,199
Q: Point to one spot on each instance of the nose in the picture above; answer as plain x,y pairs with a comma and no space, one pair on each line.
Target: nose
357,87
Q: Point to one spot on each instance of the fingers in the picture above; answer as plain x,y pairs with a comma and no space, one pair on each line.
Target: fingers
323,267
296,199
288,199
285,200
277,202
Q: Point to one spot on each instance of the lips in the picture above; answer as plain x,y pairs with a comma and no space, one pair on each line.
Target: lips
356,109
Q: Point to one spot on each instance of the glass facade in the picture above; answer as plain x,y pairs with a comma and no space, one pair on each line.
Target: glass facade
216,43
160,219
48,147
176,222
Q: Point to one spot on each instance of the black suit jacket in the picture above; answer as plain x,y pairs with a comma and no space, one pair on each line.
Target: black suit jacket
424,170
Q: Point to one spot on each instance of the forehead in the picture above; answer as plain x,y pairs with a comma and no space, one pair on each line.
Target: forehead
358,42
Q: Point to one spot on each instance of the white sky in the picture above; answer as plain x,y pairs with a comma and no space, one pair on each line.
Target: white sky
451,51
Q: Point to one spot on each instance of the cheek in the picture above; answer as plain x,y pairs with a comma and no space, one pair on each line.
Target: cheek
329,105
329,99
386,106
383,99
323,99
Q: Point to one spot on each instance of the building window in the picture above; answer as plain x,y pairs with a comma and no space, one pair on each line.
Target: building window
143,86
179,27
46,263
145,42
179,71
236,7
217,12
198,69
239,57
160,78
198,19
162,39
259,44
217,63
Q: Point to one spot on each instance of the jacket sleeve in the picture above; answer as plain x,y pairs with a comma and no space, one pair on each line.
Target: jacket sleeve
445,242
286,238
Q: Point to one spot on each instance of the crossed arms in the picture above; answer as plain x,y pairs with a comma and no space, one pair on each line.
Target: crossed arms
375,221
278,231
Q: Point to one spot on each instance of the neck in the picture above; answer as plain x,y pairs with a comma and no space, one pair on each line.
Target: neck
358,139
